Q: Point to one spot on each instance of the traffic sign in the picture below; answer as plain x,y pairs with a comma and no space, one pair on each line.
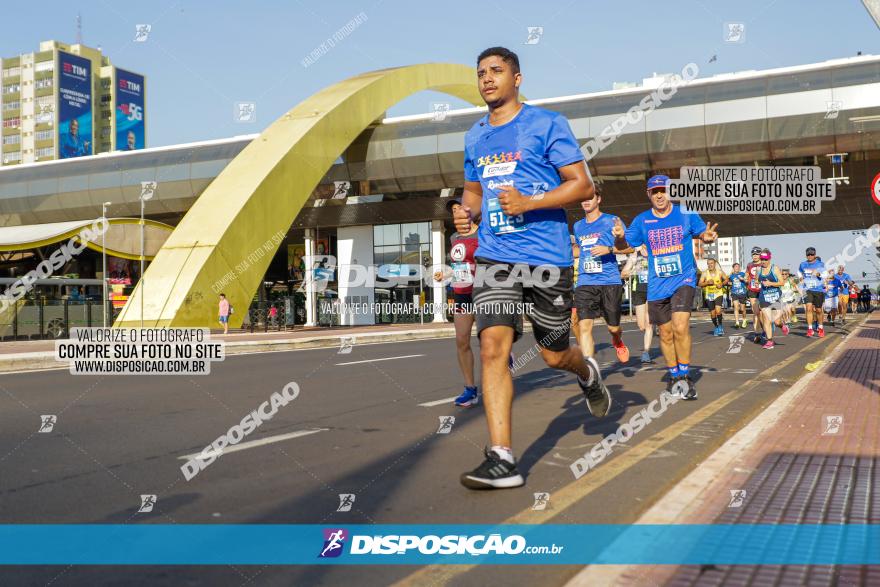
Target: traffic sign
875,189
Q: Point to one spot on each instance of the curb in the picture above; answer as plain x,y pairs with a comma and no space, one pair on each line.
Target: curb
676,503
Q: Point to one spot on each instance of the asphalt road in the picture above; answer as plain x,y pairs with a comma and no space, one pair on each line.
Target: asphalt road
362,430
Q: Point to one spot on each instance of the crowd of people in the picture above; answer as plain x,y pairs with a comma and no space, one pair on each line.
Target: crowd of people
523,167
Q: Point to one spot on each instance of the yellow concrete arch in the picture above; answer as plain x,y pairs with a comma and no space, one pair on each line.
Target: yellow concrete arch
261,192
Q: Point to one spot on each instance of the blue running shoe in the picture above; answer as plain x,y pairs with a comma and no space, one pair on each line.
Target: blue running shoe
468,398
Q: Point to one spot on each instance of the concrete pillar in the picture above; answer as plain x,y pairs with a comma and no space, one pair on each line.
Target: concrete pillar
354,246
438,254
311,297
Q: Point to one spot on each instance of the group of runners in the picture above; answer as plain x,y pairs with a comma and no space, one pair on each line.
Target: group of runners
522,168
774,294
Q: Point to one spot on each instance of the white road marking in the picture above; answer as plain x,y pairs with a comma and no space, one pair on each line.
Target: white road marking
438,402
377,360
255,443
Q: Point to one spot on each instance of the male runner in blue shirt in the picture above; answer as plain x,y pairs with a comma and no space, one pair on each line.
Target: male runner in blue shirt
811,273
599,289
672,276
522,166
844,282
738,295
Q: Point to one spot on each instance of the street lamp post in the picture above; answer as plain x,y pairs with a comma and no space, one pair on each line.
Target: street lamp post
104,263
146,194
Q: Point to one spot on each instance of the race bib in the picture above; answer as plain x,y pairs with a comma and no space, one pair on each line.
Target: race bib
811,281
770,295
711,296
461,273
501,223
592,265
642,276
667,265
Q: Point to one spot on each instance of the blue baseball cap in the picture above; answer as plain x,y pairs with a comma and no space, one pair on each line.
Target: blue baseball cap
658,181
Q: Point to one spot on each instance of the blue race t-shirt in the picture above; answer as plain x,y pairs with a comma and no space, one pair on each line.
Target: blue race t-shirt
811,282
738,283
596,270
843,280
670,252
525,153
831,288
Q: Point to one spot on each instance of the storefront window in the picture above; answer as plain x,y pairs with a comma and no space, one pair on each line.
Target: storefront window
396,245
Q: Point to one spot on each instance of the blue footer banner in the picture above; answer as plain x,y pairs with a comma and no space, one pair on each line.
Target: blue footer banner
384,544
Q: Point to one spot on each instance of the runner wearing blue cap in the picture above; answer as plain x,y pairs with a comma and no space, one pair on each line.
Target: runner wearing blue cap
672,278
522,167
811,273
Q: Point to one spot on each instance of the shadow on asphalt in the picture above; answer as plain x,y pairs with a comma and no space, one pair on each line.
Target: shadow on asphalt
575,416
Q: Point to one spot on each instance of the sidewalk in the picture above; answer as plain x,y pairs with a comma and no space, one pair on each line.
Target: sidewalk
813,456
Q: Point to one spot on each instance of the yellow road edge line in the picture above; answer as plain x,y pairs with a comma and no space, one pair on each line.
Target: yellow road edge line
581,488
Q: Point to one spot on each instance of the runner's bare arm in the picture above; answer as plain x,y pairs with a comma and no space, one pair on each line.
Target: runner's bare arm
471,202
576,187
626,271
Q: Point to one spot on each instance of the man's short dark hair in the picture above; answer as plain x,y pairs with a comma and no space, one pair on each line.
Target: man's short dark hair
505,54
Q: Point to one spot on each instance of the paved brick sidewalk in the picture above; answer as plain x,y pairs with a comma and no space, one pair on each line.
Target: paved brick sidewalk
812,457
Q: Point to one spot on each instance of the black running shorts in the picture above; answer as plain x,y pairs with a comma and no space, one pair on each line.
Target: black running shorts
660,311
548,307
817,298
639,296
464,303
593,301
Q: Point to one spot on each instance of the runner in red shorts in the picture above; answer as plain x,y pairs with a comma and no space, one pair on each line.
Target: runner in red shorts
461,257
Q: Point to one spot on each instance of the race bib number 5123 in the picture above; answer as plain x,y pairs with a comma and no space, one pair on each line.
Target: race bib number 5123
501,223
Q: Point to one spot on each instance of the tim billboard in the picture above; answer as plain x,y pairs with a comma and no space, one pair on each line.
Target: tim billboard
75,128
130,116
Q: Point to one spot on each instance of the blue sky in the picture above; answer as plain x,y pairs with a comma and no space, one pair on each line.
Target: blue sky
201,57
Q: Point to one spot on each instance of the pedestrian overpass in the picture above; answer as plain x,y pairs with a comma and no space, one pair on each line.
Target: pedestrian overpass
226,197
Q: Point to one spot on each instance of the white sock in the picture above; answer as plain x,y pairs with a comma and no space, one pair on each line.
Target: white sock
505,453
588,380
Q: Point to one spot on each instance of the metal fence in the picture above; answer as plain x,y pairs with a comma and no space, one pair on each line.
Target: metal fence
40,318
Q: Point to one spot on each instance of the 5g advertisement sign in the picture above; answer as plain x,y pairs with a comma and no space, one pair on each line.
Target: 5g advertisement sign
130,116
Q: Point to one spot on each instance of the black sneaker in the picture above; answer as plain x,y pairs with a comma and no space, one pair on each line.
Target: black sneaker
494,473
598,397
691,393
670,386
